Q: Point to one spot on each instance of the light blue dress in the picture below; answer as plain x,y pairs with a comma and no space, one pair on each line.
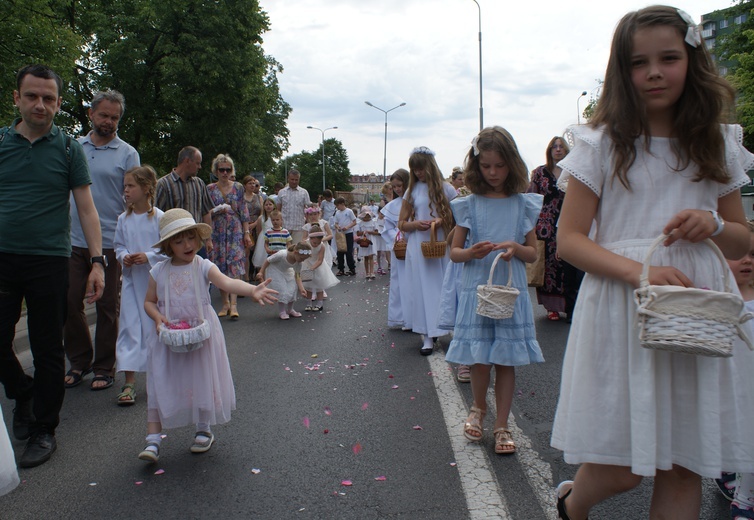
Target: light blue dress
478,339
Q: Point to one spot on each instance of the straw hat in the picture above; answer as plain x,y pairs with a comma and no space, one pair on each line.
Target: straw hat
176,221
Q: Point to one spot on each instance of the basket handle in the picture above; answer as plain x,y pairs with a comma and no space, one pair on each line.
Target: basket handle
432,233
492,270
644,280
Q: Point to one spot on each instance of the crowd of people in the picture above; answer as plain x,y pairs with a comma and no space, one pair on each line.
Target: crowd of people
146,251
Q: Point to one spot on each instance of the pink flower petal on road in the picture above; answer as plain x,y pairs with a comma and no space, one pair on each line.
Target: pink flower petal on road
159,472
346,483
328,411
453,464
305,421
356,448
394,387
327,431
417,427
139,482
380,478
365,406
256,471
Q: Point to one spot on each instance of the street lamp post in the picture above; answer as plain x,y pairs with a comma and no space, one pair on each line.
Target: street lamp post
384,156
323,150
481,110
578,111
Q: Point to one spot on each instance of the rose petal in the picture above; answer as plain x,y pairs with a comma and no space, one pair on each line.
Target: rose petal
159,472
346,483
356,448
417,427
305,420
328,411
394,387
380,478
256,471
365,406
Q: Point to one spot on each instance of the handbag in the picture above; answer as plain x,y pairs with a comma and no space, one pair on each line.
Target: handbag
535,271
432,248
496,301
183,336
689,320
399,246
307,275
340,242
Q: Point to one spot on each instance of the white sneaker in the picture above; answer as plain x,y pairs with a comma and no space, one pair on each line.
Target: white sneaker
201,447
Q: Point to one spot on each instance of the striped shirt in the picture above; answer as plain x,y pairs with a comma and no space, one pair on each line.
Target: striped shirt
191,195
277,239
292,204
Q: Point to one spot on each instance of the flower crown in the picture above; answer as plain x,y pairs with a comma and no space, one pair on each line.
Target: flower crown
422,149
311,209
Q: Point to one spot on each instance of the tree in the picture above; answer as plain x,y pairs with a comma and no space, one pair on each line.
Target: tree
192,71
337,171
33,31
737,49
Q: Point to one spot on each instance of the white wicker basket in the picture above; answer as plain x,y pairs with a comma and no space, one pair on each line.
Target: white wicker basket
688,320
186,339
496,301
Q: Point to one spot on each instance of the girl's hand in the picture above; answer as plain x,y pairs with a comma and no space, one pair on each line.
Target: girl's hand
260,276
303,292
138,258
162,320
263,294
423,225
665,275
693,225
128,261
509,248
481,249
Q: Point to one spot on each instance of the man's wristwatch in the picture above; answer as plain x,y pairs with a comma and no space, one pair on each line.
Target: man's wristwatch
99,260
720,224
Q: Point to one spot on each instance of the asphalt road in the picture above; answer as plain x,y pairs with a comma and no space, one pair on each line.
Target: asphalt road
337,417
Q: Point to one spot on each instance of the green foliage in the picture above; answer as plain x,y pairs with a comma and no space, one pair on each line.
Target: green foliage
193,73
737,48
337,171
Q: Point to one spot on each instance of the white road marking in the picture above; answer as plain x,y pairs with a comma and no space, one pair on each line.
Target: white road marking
484,498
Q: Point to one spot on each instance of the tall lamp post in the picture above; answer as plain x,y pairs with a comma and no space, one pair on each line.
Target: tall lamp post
481,110
578,111
384,156
323,150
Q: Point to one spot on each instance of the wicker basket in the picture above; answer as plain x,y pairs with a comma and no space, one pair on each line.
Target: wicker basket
433,248
399,246
364,242
496,301
186,339
687,320
183,339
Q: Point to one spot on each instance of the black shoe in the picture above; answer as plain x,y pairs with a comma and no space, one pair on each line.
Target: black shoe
38,450
22,418
426,351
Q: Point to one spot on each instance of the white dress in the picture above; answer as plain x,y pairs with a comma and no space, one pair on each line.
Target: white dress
323,276
398,309
283,276
260,255
424,276
8,472
328,249
135,233
187,388
364,227
625,405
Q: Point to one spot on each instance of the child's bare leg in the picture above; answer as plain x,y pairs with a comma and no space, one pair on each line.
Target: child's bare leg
597,482
677,495
505,383
480,381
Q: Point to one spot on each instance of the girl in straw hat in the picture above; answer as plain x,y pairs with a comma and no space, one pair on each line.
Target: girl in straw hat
190,387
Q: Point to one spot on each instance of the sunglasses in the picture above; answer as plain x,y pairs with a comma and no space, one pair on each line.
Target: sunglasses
225,170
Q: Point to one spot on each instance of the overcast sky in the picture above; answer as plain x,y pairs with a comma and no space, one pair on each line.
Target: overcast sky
537,58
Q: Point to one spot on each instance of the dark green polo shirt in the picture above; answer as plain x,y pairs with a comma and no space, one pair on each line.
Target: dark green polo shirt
36,180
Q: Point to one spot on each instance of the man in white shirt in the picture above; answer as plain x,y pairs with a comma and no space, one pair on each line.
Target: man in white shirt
291,203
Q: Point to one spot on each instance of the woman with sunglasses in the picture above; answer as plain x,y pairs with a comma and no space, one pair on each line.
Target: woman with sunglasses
230,228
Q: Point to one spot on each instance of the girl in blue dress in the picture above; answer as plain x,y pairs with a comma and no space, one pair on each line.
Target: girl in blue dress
497,217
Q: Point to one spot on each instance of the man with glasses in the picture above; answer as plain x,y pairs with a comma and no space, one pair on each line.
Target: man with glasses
181,188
